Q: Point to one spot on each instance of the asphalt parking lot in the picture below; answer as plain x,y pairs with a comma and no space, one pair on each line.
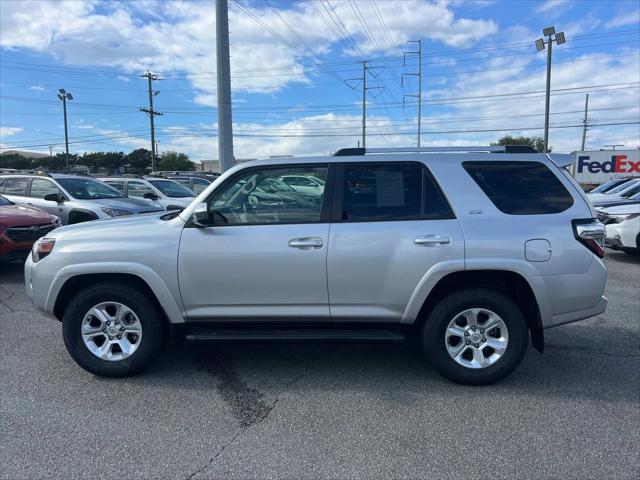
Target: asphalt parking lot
318,410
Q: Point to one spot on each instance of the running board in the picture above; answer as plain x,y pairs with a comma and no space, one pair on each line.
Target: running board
294,335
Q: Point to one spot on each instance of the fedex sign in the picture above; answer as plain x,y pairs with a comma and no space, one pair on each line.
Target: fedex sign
617,164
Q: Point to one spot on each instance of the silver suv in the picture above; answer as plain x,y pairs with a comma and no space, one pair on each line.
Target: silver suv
167,193
477,250
73,198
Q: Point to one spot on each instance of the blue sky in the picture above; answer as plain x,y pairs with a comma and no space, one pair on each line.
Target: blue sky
295,67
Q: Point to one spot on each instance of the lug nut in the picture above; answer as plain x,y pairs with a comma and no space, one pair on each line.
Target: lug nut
466,334
484,339
481,331
476,345
122,329
108,322
467,342
119,337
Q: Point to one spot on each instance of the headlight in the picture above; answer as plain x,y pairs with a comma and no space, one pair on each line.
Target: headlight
623,217
114,212
56,221
42,248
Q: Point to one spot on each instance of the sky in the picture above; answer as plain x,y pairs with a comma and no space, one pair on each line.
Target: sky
296,72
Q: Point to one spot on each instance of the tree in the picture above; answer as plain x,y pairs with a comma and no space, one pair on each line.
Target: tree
535,142
15,160
175,161
139,160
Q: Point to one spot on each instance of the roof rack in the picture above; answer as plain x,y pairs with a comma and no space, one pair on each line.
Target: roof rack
343,152
39,173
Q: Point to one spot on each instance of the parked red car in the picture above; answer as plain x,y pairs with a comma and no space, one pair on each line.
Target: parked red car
20,227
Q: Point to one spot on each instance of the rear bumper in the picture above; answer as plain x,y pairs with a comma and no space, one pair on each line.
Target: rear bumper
569,317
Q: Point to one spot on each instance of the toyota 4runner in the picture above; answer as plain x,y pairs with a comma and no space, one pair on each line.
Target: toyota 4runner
478,250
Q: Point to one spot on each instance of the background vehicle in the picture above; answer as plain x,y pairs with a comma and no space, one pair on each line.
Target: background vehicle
20,226
620,192
606,186
456,243
166,193
630,196
196,182
73,198
623,226
304,183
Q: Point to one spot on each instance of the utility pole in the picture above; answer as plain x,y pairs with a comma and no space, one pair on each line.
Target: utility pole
152,113
540,44
585,121
419,75
64,96
364,104
223,64
375,71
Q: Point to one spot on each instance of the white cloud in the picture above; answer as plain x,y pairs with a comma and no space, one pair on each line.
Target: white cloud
179,37
122,78
8,131
37,88
624,19
550,5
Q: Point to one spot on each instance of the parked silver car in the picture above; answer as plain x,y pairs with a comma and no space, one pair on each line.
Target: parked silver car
477,249
73,198
167,193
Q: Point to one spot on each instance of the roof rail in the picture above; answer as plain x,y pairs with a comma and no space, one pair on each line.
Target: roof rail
343,152
39,173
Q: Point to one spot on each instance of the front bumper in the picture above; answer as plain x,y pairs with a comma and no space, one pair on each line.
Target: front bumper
36,286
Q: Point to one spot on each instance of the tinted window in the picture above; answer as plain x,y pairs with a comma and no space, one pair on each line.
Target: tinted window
199,185
520,188
41,187
171,188
15,186
116,184
138,189
244,201
391,192
88,189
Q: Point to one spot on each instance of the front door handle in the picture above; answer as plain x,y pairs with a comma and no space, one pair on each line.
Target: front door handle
306,243
433,240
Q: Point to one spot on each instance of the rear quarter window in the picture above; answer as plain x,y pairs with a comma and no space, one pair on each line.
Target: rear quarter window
520,188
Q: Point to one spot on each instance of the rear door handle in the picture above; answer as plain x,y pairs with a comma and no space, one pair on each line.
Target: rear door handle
306,243
433,240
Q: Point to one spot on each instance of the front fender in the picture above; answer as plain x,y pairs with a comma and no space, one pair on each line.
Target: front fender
169,303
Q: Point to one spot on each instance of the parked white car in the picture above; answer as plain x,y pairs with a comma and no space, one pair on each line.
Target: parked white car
617,192
304,183
623,227
171,195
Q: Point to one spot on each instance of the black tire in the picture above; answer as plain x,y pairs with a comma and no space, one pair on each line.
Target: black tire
154,331
433,336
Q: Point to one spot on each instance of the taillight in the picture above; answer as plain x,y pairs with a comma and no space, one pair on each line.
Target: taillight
42,248
591,233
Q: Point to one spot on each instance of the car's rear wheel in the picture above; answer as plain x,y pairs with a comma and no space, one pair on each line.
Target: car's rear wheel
113,330
475,336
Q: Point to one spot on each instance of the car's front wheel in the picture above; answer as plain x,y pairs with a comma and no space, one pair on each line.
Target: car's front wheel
113,330
475,336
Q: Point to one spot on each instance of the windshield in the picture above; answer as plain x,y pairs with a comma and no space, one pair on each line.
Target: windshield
88,189
622,187
605,187
172,189
4,201
630,193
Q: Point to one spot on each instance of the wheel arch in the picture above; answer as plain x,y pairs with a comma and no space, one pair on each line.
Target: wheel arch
70,279
508,282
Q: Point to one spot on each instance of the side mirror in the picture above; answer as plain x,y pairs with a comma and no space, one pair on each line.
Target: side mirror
54,197
150,196
200,218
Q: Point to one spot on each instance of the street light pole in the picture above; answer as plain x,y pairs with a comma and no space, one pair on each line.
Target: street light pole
540,45
64,96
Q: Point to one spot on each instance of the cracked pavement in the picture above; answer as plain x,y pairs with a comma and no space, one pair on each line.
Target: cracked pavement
319,410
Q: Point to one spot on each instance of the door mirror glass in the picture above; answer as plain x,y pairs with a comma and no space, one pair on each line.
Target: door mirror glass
54,197
200,218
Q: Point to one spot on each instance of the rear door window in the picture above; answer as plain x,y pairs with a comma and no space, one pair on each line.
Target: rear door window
40,188
520,188
15,186
391,191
